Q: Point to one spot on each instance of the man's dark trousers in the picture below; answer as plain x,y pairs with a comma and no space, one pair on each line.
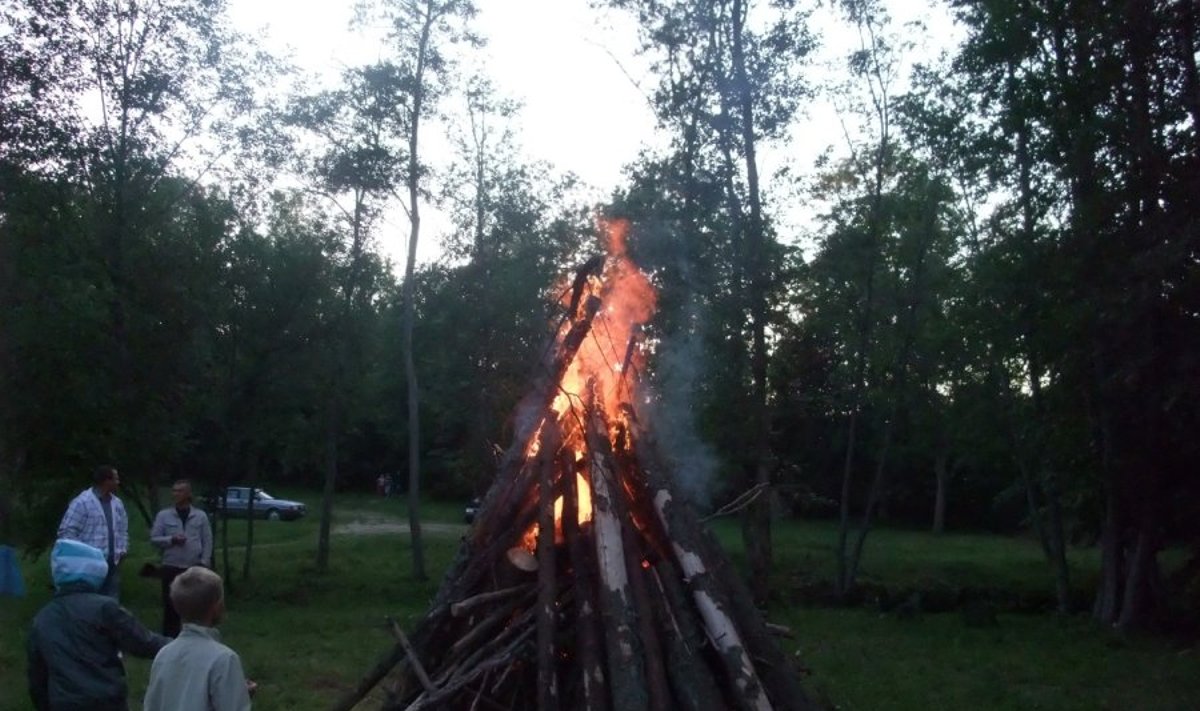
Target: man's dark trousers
171,624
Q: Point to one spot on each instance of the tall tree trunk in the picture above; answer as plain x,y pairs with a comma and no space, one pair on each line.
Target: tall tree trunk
332,427
1138,603
1107,606
252,481
1052,534
1058,544
226,477
758,537
1143,597
1033,503
908,328
941,473
413,179
866,316
873,496
843,562
1055,533
1108,596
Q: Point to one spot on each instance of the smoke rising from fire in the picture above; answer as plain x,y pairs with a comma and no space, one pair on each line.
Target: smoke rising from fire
669,396
670,402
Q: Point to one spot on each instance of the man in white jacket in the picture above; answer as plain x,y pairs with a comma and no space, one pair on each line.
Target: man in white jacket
97,517
184,536
197,672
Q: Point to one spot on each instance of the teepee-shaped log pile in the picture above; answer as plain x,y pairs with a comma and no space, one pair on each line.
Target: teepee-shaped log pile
586,582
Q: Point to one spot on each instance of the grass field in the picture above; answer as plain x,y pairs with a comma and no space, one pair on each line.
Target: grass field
307,637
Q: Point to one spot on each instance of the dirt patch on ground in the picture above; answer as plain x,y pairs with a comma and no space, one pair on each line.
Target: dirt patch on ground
376,526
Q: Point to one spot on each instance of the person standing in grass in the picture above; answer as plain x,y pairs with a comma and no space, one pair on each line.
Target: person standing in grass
97,517
183,534
197,672
75,643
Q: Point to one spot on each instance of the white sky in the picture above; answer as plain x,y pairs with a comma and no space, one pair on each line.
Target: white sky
581,110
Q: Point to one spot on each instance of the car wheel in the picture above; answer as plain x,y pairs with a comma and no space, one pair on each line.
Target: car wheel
273,515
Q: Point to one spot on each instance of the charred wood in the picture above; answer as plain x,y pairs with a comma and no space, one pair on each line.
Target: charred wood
489,624
588,641
720,596
683,640
591,266
547,585
411,653
462,607
506,657
656,673
627,678
774,667
685,533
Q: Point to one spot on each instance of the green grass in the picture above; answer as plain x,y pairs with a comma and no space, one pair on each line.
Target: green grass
304,637
917,559
307,637
863,661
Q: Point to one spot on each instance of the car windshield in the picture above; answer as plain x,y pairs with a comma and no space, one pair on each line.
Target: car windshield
261,495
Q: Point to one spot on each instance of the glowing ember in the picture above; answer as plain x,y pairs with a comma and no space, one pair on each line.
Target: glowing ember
529,540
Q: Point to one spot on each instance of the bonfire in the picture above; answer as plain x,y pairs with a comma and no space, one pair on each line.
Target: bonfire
586,581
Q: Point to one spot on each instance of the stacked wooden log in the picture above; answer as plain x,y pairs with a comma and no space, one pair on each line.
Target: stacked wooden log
586,581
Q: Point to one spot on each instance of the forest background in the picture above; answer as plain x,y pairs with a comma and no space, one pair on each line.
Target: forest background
992,323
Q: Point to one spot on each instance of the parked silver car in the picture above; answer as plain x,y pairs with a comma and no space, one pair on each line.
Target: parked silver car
237,505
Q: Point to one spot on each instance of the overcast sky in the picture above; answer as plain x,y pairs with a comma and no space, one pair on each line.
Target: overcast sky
576,73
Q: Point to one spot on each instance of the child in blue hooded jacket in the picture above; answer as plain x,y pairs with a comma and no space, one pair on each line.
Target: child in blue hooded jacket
74,645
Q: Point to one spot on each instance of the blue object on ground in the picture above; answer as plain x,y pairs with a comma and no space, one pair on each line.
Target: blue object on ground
11,582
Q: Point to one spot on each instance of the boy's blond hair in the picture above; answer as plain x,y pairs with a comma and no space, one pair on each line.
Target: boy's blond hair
195,592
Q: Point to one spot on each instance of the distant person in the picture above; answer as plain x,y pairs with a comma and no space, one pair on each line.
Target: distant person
97,517
184,535
11,582
74,645
196,672
381,485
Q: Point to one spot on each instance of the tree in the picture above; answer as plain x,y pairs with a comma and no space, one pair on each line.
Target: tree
730,82
57,325
355,162
420,32
513,223
894,246
117,100
1090,118
875,65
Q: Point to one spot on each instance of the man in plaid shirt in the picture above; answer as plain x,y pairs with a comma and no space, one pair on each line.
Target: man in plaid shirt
97,517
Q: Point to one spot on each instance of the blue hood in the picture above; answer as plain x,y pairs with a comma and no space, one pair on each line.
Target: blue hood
73,563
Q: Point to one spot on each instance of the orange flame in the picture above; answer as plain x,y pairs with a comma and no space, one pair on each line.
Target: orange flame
611,356
529,540
584,502
628,300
